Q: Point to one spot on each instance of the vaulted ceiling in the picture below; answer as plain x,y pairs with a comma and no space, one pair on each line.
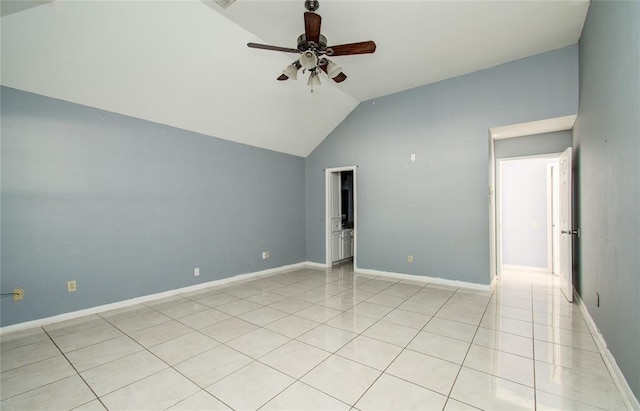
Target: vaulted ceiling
186,64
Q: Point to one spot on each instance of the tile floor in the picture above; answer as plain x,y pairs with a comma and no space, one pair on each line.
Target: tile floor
318,340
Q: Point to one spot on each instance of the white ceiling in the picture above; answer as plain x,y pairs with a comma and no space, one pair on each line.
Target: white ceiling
186,64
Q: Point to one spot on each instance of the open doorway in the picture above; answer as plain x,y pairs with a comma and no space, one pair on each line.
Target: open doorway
341,215
527,214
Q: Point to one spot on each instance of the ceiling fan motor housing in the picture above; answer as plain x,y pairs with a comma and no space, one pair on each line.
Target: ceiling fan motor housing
311,5
304,45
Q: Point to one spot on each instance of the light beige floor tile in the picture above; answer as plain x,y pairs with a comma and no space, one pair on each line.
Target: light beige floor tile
295,358
183,309
339,302
595,390
102,353
217,299
29,377
301,397
242,291
372,310
74,325
497,310
312,296
550,402
407,318
65,394
155,392
165,301
204,318
454,405
134,321
184,347
391,333
488,392
370,352
210,366
508,325
430,372
327,338
343,379
440,346
582,360
9,341
263,382
202,400
230,329
160,333
28,354
238,307
116,374
467,313
391,393
318,313
259,342
450,328
425,308
511,343
402,290
292,326
575,323
357,294
94,405
84,338
375,285
501,364
563,336
266,298
290,305
386,300
351,322
263,316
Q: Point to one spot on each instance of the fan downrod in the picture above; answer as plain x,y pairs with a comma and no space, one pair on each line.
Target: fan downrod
311,5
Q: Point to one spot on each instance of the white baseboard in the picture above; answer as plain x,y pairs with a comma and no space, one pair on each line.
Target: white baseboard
316,265
146,298
626,393
424,279
525,268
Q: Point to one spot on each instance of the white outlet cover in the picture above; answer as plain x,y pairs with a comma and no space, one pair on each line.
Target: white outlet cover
196,271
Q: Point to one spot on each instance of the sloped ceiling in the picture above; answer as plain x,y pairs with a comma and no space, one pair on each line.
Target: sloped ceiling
186,64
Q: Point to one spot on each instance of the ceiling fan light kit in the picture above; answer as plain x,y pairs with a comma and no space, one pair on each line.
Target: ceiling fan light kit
312,47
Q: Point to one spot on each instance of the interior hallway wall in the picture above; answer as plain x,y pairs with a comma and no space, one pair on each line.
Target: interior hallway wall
607,147
435,208
128,208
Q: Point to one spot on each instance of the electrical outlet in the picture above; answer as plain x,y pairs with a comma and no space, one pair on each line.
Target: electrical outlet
413,157
71,286
265,255
196,272
409,258
18,294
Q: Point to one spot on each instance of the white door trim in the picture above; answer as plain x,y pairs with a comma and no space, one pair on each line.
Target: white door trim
327,214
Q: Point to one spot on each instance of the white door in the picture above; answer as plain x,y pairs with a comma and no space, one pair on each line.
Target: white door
565,267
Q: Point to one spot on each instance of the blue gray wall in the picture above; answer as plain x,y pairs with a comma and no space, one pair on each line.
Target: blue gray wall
547,143
435,208
128,208
607,146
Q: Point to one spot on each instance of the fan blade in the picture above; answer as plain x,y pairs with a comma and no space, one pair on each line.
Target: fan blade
339,78
364,47
312,22
282,77
274,48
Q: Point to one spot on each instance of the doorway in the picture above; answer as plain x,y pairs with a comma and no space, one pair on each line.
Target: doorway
341,215
527,210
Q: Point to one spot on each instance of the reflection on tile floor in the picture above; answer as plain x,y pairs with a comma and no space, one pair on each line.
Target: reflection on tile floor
315,339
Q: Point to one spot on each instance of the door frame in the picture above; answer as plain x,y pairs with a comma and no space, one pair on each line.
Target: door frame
328,195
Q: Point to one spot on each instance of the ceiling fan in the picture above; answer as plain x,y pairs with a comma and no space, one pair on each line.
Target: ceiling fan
313,50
